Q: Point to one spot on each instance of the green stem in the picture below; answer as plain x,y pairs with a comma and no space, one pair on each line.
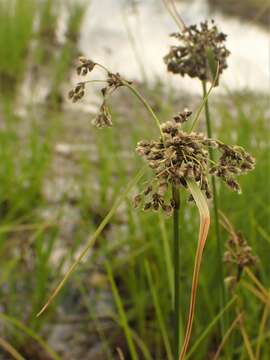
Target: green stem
145,104
216,220
176,245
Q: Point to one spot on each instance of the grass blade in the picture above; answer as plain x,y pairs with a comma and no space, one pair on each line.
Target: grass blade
159,313
92,239
123,317
10,349
210,326
261,331
246,340
261,296
120,354
203,232
18,324
256,282
226,336
174,14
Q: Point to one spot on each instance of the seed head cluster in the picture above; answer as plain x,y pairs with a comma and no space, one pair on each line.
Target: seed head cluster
178,156
85,66
234,160
198,47
77,93
239,254
103,119
113,82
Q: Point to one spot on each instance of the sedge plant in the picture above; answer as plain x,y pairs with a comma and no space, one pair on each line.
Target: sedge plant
201,54
239,259
177,160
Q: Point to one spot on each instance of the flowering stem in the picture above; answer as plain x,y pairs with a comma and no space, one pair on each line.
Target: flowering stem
140,97
176,252
145,104
216,220
171,8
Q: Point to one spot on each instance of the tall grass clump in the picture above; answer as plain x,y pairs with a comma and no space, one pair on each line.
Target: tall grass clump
202,54
16,28
22,172
26,242
48,15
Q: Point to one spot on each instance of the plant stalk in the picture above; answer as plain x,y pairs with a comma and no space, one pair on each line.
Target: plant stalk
216,219
176,252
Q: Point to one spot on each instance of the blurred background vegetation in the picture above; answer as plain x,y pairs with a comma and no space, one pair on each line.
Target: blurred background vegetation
59,177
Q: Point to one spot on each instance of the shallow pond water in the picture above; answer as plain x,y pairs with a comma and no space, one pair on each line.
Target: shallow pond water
111,32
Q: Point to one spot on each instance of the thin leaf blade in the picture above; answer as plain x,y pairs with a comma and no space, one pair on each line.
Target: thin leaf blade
203,232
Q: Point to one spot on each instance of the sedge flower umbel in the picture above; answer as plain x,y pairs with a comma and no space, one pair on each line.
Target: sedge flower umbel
199,46
178,156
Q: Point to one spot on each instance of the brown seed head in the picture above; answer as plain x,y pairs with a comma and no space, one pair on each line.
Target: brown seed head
178,156
200,49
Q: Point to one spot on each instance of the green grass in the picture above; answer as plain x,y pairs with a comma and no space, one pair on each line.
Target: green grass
28,40
144,237
27,241
16,28
136,246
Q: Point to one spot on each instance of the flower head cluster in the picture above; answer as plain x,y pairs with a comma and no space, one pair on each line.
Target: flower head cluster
239,253
178,156
113,81
103,119
198,48
77,93
85,66
234,160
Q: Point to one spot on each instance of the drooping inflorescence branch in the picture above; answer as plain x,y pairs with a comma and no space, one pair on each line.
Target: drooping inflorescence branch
112,82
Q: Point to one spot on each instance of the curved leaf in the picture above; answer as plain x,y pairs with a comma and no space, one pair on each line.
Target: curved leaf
203,232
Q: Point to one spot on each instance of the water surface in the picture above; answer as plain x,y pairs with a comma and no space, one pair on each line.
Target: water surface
109,28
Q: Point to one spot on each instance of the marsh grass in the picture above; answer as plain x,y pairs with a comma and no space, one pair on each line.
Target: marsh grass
141,239
16,29
24,162
208,278
137,245
27,242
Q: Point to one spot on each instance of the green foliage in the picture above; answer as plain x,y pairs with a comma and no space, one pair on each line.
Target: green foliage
16,28
136,245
